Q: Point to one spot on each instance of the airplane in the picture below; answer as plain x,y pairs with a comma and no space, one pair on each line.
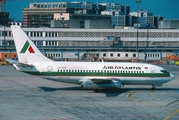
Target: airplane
90,75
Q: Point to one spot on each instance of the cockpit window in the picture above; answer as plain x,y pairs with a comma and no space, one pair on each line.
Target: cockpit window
164,71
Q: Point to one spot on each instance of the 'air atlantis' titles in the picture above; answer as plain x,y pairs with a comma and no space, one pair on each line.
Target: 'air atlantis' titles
122,67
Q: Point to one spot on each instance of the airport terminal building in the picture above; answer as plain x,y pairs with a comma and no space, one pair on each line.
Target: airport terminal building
60,43
84,30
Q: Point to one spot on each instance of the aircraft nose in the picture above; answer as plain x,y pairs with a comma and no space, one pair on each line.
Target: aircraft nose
172,76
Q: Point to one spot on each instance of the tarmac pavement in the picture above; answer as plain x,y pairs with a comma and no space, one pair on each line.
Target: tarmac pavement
27,97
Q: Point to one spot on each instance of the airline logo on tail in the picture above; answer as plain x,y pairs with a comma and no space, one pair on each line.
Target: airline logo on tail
26,47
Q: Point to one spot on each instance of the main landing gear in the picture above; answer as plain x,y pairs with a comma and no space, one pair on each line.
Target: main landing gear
153,87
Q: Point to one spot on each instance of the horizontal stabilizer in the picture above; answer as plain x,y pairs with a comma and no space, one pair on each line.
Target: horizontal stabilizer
11,61
18,63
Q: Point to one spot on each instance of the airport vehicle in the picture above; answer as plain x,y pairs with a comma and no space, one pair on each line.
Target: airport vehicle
2,62
90,75
177,63
172,57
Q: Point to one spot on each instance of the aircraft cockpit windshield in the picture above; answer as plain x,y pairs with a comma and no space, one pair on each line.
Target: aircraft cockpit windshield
164,71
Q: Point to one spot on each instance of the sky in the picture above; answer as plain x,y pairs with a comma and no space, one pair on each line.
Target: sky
169,9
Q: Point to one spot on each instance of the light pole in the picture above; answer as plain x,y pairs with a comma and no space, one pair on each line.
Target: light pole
147,26
4,25
138,2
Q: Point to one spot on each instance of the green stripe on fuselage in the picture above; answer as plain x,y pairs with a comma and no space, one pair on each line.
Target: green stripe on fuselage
99,74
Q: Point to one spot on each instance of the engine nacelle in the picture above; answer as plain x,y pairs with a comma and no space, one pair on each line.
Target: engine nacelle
101,86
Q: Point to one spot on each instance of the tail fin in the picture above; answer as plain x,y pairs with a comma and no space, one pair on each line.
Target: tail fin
26,50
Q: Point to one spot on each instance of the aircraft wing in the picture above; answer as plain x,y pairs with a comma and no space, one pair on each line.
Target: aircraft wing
18,63
101,83
99,80
105,80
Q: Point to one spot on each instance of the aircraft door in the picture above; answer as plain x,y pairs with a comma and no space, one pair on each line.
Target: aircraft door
50,70
152,69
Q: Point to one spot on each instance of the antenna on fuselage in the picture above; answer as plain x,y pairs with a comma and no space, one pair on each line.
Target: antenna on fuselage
102,59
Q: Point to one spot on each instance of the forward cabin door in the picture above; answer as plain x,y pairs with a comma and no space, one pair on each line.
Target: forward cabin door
49,70
153,71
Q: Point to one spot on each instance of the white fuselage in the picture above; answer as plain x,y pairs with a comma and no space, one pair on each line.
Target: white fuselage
77,72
